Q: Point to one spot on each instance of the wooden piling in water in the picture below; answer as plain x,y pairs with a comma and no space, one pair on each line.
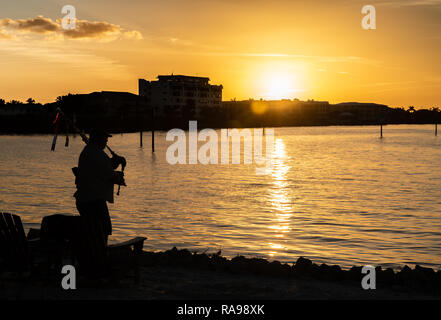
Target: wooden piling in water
381,130
153,130
140,138
153,140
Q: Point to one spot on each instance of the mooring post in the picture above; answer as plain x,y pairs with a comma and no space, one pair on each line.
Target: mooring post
381,130
140,138
153,130
153,140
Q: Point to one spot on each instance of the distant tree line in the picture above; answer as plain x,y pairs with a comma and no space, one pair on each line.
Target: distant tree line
30,101
126,112
23,117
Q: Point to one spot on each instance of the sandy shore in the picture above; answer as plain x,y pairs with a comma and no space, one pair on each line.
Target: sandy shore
182,275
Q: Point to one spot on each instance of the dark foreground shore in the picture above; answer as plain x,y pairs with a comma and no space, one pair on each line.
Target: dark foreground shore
183,275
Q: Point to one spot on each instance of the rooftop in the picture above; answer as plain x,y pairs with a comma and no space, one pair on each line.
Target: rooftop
182,78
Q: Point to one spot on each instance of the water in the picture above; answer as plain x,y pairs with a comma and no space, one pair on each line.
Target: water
338,195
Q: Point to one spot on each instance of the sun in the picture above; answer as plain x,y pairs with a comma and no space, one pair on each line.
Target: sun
279,85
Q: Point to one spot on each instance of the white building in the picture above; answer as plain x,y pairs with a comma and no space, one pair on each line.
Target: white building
184,96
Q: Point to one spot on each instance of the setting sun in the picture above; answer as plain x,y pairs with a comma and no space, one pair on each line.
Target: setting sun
279,85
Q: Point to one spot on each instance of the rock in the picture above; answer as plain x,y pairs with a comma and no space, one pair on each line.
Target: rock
336,268
389,276
336,273
275,268
324,267
218,261
429,272
423,277
276,264
316,272
325,272
385,276
286,270
438,280
202,261
302,266
238,264
238,259
279,269
354,274
405,275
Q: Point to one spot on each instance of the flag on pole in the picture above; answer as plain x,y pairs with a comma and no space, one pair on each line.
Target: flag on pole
56,122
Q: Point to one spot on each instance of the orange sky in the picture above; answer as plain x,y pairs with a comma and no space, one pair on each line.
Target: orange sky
254,48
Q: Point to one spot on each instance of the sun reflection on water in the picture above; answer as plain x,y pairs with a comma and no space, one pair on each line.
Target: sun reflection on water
279,195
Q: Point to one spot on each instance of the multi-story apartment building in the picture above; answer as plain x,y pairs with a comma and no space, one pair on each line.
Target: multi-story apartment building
183,96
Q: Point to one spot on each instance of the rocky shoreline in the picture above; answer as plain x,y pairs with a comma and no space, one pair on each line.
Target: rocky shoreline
184,275
419,279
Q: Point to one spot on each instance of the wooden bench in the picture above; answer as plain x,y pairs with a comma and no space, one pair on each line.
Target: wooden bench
85,239
16,251
89,248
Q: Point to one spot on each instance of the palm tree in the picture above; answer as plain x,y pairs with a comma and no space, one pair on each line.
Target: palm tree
14,102
30,101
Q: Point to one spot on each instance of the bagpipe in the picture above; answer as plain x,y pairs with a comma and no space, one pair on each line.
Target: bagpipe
116,159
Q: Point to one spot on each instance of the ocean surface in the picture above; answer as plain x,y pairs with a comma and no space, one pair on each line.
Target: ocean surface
337,195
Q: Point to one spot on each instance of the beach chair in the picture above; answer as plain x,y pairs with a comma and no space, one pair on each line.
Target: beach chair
89,249
16,251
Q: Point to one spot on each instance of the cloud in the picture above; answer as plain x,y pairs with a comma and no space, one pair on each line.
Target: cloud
136,35
100,30
34,25
312,58
4,35
411,3
86,29
208,50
